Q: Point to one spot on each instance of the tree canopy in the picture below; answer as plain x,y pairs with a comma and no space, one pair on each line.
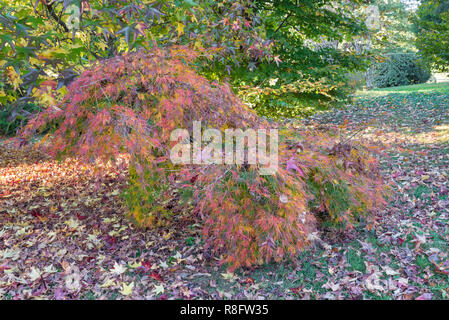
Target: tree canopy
306,48
432,31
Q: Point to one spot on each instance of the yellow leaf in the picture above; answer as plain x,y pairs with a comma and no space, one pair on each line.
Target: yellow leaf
35,61
14,78
198,44
47,54
135,265
44,96
167,235
63,91
227,276
180,28
127,289
102,46
108,283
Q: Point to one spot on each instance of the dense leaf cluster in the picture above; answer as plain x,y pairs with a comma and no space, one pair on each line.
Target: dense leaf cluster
132,103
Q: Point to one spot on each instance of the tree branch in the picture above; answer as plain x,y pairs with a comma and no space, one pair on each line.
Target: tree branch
283,21
52,12
286,18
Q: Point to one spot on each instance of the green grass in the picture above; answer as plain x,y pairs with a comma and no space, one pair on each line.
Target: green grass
442,87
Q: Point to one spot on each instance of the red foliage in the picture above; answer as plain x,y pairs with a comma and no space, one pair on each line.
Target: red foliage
130,104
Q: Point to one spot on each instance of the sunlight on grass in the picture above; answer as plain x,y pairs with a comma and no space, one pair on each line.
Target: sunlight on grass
439,134
423,88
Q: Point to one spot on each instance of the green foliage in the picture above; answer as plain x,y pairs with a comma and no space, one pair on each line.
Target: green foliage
395,33
284,58
305,96
400,69
431,24
313,51
12,119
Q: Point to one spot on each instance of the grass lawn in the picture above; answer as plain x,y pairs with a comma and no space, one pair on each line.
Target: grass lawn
423,88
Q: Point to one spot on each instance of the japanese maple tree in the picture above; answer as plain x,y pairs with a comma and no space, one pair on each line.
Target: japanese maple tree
131,103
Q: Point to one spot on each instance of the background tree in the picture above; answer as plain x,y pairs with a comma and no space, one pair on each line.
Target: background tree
395,60
395,32
432,32
305,74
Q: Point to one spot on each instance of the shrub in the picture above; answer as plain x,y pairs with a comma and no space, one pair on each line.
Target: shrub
13,118
301,98
400,69
131,103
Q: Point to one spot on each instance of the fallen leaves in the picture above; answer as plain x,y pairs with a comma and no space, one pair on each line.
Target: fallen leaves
399,252
63,235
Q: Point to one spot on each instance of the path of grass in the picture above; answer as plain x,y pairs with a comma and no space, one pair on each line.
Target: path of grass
422,88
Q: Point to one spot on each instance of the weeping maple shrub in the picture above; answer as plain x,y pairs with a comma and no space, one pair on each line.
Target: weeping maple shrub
131,104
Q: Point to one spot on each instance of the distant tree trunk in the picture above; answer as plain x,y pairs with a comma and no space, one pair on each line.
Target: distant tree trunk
369,77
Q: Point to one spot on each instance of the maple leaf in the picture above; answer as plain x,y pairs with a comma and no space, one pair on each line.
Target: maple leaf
34,274
156,276
14,77
72,281
228,276
80,217
108,283
13,254
36,212
127,289
118,269
180,28
72,223
291,165
158,289
178,257
249,280
50,269
135,265
146,265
